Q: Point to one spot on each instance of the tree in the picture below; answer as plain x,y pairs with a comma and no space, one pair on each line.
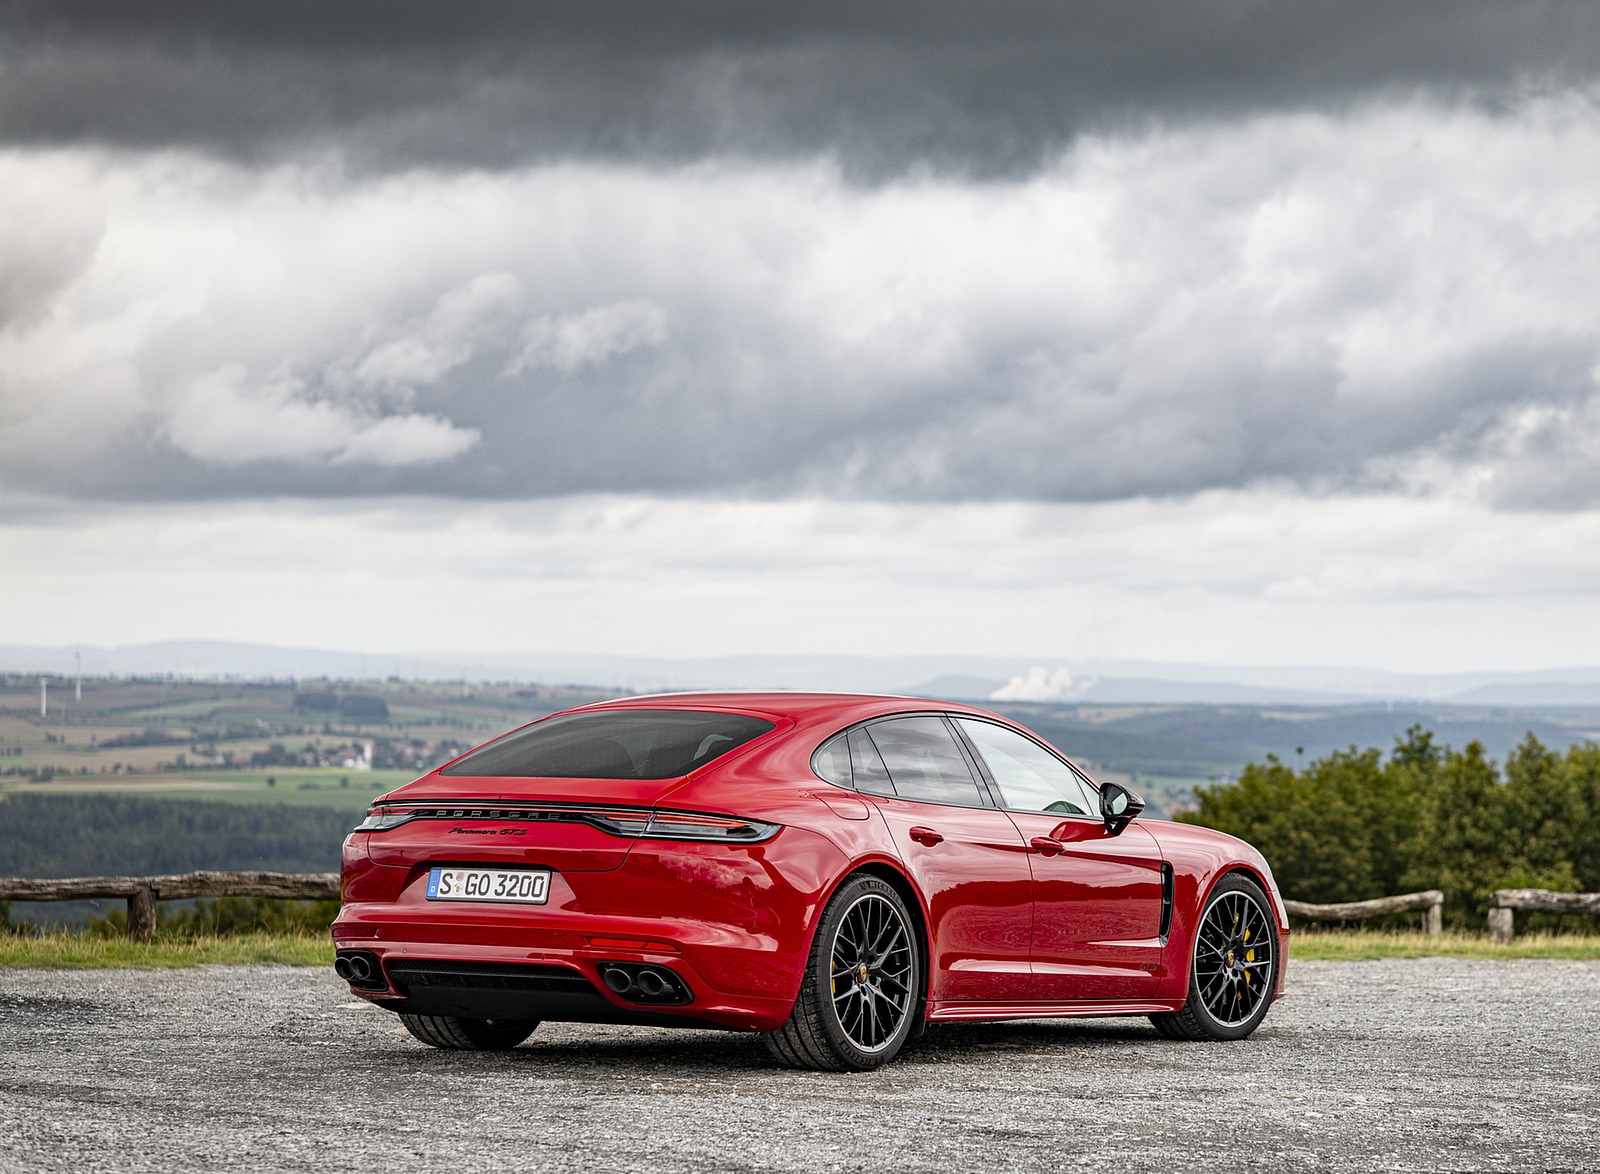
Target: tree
1465,850
1582,769
1350,826
1541,799
1396,808
1313,827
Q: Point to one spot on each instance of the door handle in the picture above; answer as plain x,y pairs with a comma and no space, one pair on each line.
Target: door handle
927,837
1045,846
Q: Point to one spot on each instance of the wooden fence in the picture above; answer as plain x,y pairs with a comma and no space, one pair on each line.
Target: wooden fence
1504,902
1430,904
142,892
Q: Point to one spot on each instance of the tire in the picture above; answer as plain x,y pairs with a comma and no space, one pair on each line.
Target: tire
469,1035
862,989
1230,984
1164,1025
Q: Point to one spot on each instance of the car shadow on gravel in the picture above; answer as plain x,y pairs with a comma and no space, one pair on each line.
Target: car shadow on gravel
677,1052
681,1053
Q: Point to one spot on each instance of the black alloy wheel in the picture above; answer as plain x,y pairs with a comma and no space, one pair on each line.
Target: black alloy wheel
862,988
1234,966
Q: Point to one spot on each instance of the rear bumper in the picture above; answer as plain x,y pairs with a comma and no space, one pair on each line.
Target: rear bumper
396,941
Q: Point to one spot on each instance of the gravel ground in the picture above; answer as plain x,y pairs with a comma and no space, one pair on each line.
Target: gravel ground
1434,1064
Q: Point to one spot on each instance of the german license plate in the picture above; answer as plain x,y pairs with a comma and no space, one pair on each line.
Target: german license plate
526,886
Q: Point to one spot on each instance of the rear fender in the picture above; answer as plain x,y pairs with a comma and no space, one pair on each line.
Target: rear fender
890,871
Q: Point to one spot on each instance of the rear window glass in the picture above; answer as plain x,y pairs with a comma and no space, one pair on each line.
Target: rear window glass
613,744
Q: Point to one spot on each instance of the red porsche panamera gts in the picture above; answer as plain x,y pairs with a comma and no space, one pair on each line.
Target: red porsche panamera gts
835,871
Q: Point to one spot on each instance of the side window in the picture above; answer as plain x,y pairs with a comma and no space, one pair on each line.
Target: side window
1030,778
832,761
924,761
867,766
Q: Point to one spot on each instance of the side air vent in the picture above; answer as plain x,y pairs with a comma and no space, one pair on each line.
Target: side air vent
1166,902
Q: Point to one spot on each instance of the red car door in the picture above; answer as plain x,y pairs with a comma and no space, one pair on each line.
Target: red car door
968,859
1097,898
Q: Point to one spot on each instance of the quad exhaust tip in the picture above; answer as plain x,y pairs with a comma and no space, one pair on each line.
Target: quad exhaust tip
640,983
360,969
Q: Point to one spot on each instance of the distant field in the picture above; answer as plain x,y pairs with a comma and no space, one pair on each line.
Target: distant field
165,736
300,785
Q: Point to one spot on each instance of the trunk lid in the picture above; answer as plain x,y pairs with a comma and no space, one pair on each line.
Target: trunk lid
568,825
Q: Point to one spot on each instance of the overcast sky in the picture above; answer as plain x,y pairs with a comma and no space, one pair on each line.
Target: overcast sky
1217,331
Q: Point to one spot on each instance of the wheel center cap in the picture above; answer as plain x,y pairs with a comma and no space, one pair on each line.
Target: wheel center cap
1230,957
862,971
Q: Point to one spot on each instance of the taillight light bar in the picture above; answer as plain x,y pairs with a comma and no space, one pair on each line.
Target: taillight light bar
688,825
627,822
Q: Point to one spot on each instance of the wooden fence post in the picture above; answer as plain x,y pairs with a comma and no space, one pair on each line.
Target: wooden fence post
142,892
1428,903
1502,903
1501,925
142,913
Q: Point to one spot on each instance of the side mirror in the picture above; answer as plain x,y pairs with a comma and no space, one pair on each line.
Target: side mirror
1118,807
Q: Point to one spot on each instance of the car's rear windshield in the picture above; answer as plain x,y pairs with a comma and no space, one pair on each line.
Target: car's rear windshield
613,744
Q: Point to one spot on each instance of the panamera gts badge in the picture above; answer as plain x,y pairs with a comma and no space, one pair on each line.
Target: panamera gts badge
488,832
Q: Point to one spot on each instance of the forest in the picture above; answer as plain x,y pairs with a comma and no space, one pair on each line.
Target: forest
1355,824
103,835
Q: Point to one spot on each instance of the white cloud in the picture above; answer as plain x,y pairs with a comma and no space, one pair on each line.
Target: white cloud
412,439
429,350
220,418
48,234
570,341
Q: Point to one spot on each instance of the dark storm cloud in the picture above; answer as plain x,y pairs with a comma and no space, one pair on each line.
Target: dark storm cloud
961,88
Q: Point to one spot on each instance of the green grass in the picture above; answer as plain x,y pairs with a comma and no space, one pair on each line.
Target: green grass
1368,945
59,950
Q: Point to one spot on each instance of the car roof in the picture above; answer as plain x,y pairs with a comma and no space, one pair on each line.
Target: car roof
802,708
